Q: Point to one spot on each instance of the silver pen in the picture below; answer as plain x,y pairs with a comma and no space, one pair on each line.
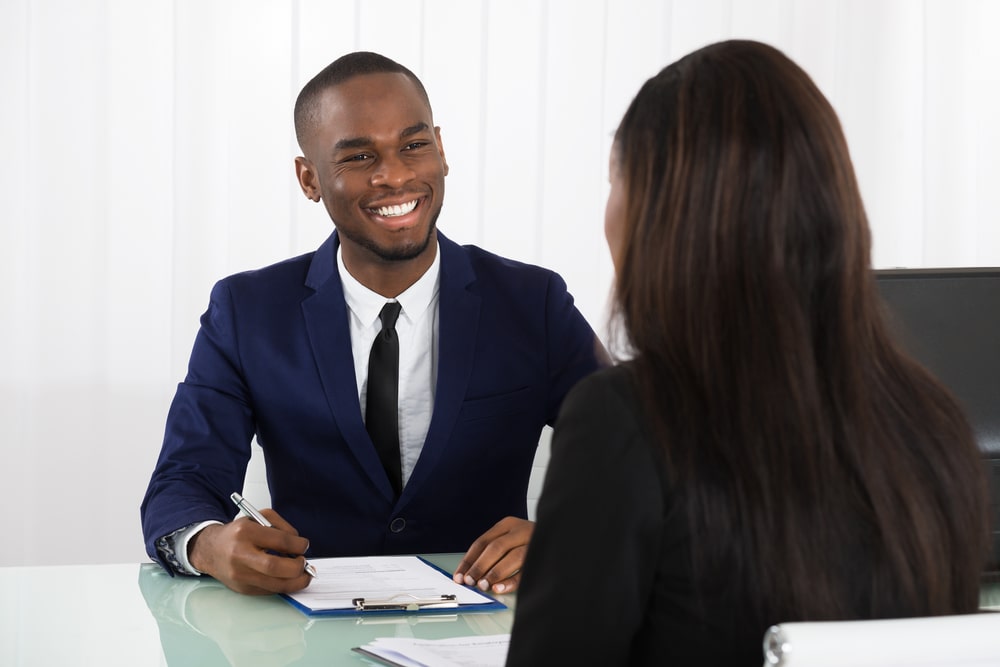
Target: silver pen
244,506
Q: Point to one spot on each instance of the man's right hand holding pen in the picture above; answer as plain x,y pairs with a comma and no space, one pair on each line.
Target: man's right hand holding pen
244,555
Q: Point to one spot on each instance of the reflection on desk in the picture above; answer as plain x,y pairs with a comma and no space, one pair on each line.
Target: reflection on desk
136,615
97,615
989,593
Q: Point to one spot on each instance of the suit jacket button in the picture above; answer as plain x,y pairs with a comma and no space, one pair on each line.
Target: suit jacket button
397,525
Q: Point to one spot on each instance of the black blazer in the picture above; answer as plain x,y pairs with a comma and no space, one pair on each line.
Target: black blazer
608,577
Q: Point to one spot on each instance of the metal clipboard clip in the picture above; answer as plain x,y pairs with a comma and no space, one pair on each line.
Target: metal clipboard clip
405,602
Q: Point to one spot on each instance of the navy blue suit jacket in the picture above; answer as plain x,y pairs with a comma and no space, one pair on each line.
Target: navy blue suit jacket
273,360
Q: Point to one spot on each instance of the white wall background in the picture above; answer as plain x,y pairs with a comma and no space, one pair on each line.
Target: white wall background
146,150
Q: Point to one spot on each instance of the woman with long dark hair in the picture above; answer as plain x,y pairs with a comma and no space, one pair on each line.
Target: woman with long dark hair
768,453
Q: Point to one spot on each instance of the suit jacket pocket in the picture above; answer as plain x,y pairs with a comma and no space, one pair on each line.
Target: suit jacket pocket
498,405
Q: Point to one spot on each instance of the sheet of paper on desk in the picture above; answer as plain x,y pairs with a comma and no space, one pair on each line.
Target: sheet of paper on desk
340,580
484,651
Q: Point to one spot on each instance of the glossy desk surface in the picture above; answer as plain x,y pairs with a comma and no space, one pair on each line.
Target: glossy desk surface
137,615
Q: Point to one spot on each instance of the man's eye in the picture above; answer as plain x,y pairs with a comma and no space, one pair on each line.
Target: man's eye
360,157
415,145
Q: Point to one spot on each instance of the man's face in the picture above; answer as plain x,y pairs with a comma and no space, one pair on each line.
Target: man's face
376,160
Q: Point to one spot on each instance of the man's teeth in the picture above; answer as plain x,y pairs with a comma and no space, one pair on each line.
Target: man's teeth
398,209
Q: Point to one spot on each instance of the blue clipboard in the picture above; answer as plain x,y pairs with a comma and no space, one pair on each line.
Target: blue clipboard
403,603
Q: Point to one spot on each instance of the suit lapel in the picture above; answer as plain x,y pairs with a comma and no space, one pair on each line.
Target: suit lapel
325,314
458,325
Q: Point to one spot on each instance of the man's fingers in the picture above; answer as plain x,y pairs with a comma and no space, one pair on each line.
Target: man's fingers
505,575
508,585
474,553
250,558
257,572
273,564
494,561
281,537
252,582
278,521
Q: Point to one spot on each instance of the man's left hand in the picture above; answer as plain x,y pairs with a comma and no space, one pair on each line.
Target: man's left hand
493,562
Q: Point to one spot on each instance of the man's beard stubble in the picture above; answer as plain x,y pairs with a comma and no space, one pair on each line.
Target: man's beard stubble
395,254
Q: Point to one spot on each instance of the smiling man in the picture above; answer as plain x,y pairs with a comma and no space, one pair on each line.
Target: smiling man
481,352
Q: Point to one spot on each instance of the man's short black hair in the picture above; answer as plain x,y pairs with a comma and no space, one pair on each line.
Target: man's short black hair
340,70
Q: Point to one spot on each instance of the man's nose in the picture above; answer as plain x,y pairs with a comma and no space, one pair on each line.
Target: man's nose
391,171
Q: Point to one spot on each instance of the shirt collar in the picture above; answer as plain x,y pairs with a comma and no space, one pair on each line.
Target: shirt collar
366,304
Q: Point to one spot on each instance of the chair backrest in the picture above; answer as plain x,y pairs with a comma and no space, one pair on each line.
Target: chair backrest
971,640
949,319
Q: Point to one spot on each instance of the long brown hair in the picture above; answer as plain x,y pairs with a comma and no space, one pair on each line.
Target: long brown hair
825,473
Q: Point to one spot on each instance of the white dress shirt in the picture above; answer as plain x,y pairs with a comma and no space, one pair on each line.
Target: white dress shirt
417,330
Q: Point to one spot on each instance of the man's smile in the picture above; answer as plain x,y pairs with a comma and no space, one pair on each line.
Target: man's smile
395,210
394,217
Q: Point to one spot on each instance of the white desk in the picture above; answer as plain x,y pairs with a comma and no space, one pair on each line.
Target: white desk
136,615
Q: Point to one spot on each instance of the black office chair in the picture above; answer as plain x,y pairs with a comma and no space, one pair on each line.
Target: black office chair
949,319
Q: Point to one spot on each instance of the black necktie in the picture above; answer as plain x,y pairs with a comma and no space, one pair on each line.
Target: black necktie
381,417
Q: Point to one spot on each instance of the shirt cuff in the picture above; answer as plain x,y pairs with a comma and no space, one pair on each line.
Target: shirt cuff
174,547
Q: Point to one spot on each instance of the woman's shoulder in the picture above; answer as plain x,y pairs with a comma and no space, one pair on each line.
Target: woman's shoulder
614,381
605,400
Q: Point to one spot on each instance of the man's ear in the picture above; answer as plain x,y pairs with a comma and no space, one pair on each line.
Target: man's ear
437,135
308,179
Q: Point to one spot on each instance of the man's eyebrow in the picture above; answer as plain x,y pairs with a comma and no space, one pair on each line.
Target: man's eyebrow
356,142
364,142
414,129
